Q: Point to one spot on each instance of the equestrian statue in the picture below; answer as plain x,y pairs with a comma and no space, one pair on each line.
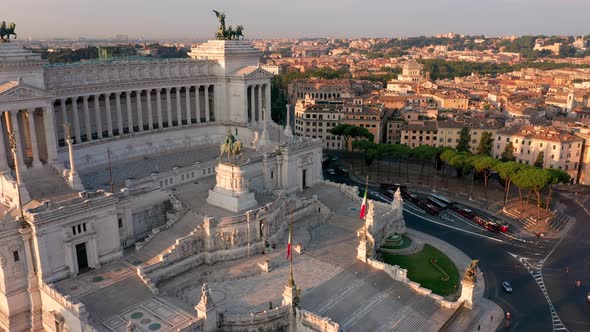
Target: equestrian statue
224,33
6,31
231,147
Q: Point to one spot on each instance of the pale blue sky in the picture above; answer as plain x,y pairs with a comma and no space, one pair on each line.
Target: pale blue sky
299,18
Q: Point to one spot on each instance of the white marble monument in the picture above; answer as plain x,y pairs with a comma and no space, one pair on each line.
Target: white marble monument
231,191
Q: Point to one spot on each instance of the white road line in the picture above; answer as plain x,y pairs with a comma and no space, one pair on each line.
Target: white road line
453,227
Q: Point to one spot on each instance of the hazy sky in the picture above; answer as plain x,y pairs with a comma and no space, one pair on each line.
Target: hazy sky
298,18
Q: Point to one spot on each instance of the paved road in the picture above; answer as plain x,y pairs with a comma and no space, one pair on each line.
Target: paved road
574,252
499,261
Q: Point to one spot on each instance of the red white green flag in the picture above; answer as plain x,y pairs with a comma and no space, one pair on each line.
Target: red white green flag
289,253
364,206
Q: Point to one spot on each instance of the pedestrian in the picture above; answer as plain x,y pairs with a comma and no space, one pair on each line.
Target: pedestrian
492,317
478,327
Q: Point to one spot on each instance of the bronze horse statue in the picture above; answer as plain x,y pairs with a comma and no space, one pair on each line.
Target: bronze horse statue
229,33
231,147
6,31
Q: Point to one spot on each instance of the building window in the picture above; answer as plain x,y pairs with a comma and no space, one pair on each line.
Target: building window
120,221
15,256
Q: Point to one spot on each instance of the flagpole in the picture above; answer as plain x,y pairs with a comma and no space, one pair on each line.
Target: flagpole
291,281
365,216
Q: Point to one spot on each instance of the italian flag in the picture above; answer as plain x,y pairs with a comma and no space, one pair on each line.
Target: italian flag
289,253
364,206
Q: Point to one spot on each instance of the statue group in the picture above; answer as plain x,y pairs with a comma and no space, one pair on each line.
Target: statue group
6,31
231,147
230,33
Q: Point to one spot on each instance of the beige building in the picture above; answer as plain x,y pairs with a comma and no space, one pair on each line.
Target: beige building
449,132
419,133
561,150
357,114
451,100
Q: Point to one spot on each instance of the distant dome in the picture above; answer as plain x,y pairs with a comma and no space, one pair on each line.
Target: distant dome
412,65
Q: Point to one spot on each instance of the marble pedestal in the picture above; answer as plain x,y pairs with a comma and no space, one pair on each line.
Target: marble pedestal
231,191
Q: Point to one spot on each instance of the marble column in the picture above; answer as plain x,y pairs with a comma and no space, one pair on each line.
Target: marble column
159,107
168,107
252,105
178,108
50,141
119,113
129,111
139,110
33,138
107,104
148,95
260,106
15,128
3,157
188,105
267,103
198,103
64,116
77,130
87,119
207,103
97,116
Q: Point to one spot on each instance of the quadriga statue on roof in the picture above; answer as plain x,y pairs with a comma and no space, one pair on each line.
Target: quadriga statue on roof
230,33
6,31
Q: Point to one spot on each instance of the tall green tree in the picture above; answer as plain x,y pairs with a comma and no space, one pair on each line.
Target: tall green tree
368,147
347,131
464,140
557,176
485,166
540,160
485,144
508,153
423,154
507,171
534,180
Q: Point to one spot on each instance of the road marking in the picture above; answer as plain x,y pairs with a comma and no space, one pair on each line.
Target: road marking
534,267
452,227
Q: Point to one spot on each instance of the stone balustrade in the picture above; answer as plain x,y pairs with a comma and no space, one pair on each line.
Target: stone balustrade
75,307
306,320
271,320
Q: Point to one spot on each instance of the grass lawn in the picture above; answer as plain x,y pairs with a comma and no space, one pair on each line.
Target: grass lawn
421,270
406,242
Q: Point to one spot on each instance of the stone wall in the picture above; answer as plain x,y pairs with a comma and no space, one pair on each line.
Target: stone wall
58,307
229,238
309,322
276,319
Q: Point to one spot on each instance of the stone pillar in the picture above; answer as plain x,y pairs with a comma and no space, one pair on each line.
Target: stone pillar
33,138
77,126
97,116
188,105
33,281
149,107
107,104
73,178
129,111
290,296
252,105
168,107
267,104
198,103
139,110
64,115
259,110
178,108
207,116
206,310
159,107
119,113
3,157
50,140
363,249
15,128
467,294
87,119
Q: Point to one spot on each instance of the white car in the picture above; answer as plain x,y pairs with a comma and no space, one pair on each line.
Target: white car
506,286
588,297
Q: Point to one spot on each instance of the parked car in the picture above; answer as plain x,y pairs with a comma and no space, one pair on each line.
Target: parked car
506,286
588,297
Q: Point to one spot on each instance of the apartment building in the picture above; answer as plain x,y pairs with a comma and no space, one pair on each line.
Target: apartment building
419,133
449,132
357,114
561,149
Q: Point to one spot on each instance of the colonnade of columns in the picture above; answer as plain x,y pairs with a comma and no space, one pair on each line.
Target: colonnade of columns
111,114
34,134
258,96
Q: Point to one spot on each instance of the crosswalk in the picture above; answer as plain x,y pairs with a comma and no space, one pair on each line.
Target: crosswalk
534,267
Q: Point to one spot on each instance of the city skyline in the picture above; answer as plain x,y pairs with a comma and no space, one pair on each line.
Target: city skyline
268,19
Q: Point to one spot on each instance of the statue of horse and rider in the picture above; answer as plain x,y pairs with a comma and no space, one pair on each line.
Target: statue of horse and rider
229,33
231,147
6,31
